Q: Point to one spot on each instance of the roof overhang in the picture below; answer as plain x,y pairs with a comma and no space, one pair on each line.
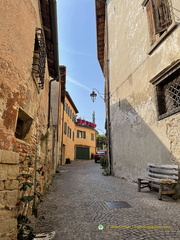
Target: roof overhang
71,102
49,19
100,28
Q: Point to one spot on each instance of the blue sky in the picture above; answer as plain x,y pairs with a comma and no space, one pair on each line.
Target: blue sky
78,52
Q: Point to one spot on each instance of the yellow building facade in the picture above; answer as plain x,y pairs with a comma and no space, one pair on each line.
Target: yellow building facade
78,136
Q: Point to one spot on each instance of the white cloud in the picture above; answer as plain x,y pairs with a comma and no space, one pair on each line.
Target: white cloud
78,84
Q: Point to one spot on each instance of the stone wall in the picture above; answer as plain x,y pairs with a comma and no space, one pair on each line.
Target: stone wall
19,94
9,185
138,137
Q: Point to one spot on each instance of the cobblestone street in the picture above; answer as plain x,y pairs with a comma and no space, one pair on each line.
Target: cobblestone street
76,205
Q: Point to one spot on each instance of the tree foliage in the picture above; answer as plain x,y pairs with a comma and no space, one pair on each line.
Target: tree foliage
101,141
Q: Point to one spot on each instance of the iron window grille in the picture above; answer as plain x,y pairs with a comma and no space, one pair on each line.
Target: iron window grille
39,57
167,85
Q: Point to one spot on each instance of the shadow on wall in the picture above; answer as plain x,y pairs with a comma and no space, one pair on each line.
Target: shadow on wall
138,138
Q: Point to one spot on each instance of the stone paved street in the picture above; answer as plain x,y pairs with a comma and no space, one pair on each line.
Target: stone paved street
75,206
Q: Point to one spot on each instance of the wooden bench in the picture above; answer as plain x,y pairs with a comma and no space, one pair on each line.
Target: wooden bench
160,176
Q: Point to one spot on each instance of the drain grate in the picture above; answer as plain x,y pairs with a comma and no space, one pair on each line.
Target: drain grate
118,204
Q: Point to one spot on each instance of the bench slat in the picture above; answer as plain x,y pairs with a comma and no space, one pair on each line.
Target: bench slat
167,166
163,171
161,176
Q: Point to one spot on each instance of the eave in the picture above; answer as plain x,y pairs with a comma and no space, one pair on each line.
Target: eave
49,19
100,28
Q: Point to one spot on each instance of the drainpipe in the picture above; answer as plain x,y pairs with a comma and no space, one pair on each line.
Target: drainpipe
108,88
49,100
108,91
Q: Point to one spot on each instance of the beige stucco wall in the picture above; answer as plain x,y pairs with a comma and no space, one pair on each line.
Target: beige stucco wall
137,136
68,143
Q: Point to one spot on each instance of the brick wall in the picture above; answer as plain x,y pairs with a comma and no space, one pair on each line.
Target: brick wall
9,185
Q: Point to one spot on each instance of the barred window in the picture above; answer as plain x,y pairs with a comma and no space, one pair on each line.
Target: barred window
39,58
168,96
167,86
159,17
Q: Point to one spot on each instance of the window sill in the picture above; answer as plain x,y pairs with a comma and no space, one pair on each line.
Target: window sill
165,115
163,37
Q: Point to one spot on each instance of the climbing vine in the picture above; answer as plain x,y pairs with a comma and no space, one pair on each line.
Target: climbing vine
29,196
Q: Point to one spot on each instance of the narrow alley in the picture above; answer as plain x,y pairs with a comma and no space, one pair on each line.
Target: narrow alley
76,205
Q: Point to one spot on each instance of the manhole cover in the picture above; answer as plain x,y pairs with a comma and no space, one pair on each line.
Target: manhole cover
118,204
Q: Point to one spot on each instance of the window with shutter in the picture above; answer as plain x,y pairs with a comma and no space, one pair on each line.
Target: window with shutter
161,14
159,17
65,127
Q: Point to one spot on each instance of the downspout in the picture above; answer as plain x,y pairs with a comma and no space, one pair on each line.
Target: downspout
54,26
108,92
49,102
108,89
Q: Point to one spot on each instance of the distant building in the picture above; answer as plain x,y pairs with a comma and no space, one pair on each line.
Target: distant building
79,136
139,52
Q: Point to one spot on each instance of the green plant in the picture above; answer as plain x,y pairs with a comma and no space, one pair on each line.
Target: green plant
45,136
104,162
106,172
28,198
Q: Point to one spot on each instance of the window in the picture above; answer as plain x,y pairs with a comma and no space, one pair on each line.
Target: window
39,58
159,17
81,134
167,86
24,122
92,136
69,132
65,106
65,127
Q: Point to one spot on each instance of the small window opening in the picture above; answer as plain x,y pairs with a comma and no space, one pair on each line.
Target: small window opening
24,122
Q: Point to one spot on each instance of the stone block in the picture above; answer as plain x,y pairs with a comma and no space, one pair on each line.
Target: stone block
9,157
2,205
12,171
11,184
1,185
5,238
8,171
10,198
6,214
7,226
3,172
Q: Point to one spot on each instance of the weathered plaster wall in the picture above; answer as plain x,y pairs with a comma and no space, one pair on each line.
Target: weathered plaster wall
137,136
18,90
